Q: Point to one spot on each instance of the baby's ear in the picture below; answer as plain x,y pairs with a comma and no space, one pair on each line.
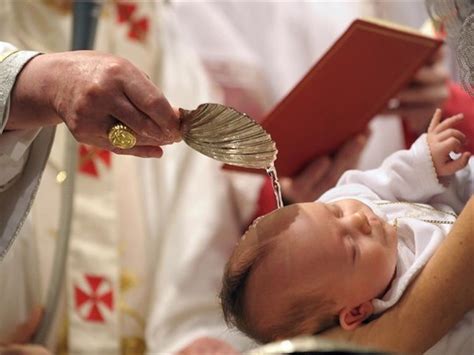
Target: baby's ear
351,318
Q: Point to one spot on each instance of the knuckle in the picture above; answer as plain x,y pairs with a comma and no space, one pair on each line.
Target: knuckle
73,124
453,141
154,100
115,67
93,91
81,133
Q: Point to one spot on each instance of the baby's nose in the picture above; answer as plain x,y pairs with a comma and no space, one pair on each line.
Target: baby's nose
361,223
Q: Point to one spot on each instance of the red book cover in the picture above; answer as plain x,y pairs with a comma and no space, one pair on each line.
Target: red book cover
348,86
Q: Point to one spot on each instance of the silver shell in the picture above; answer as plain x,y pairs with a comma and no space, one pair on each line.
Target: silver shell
224,134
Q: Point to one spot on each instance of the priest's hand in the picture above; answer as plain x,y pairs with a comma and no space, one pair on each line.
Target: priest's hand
91,92
323,172
21,349
208,346
16,343
427,91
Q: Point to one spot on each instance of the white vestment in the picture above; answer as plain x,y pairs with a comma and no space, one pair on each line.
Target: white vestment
176,218
405,191
20,166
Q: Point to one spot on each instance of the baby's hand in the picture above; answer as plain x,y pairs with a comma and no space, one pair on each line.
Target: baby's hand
444,139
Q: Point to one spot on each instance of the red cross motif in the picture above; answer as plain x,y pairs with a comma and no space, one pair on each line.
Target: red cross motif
90,156
125,10
94,298
138,27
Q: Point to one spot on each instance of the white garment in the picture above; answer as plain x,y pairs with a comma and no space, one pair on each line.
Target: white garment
409,176
20,171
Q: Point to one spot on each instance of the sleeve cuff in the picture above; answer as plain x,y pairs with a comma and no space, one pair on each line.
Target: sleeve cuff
426,171
10,66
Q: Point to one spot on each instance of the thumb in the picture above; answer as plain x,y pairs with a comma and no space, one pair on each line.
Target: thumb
25,331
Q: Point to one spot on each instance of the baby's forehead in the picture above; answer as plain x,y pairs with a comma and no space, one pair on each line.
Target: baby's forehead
273,224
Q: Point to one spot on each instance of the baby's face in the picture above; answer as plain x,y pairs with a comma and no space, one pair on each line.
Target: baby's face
355,248
341,249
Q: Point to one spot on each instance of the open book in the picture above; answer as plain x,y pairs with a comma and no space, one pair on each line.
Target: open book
348,86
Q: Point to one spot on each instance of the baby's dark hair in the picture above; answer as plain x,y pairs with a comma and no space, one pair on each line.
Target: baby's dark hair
309,312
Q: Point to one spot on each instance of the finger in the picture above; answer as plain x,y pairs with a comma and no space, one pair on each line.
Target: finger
458,164
432,74
452,144
137,121
439,55
424,94
435,120
308,184
102,140
349,153
140,151
149,100
313,184
313,172
346,158
25,331
421,112
16,349
449,122
451,132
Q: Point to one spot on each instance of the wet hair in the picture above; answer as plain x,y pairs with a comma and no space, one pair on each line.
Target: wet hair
309,312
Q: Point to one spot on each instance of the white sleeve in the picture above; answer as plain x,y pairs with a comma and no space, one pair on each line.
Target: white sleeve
407,175
23,154
14,144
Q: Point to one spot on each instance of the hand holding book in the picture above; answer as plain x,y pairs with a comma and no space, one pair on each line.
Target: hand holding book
427,91
348,86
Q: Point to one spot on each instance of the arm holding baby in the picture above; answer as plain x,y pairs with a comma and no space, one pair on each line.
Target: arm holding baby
414,324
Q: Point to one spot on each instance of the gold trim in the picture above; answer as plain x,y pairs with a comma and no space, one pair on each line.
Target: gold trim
6,55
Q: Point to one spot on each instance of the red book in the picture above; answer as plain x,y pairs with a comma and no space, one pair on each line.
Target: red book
348,86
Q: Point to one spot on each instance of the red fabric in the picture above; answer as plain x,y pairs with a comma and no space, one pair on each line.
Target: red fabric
138,28
90,156
125,11
458,102
266,201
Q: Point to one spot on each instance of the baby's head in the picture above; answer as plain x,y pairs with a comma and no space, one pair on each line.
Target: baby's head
306,267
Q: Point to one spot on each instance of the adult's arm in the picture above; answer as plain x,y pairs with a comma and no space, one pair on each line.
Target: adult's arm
90,92
444,287
23,153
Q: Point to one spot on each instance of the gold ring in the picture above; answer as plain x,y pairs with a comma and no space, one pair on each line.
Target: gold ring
120,136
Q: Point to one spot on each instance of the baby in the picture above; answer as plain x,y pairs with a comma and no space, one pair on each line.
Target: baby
350,255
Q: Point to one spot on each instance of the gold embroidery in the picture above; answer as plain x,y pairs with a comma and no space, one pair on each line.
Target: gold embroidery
133,346
423,208
6,55
63,341
128,281
62,6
